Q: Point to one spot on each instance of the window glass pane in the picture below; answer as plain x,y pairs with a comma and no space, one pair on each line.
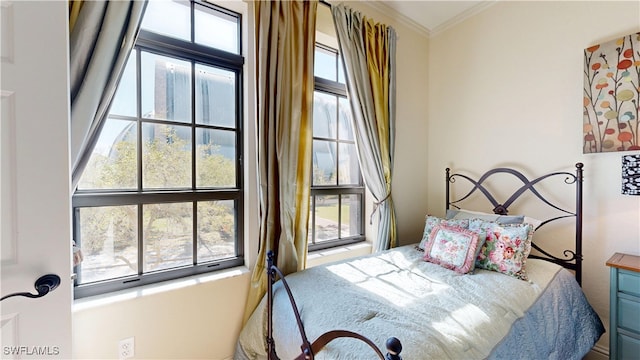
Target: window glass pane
324,65
344,120
216,29
216,230
124,101
113,162
157,15
334,157
166,88
326,213
324,162
166,156
108,238
350,215
349,169
341,78
168,235
324,115
215,96
216,158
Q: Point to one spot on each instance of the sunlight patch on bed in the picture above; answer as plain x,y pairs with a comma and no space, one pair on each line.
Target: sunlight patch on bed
392,279
462,323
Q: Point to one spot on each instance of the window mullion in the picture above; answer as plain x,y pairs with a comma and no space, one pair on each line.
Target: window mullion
339,216
195,239
337,114
193,18
313,219
140,239
194,147
239,128
139,118
140,232
194,140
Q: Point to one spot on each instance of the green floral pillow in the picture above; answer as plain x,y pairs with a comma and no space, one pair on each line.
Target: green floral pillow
432,221
506,247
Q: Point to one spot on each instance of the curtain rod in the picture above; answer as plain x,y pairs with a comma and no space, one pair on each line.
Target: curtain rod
324,2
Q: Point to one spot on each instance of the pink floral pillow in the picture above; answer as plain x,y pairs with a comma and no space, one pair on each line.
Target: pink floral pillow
432,221
453,248
506,247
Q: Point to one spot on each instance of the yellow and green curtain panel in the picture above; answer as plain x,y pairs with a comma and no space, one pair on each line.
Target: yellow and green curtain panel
285,43
368,51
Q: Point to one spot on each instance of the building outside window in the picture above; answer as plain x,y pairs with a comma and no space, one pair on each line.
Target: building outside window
162,194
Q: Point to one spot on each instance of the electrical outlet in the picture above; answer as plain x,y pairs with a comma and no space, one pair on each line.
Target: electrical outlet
126,348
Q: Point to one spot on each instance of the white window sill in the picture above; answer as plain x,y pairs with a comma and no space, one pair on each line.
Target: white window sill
338,253
152,289
313,259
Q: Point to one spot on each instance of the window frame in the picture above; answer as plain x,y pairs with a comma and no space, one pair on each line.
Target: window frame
334,88
195,54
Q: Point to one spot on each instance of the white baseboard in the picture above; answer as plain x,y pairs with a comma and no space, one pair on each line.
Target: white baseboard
598,352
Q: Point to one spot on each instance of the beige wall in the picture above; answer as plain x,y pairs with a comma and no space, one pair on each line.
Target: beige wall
187,319
505,88
200,317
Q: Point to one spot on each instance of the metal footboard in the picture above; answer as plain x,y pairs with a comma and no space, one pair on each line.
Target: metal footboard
309,349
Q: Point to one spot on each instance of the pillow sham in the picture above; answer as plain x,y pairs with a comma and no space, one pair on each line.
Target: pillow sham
453,248
468,214
431,221
506,247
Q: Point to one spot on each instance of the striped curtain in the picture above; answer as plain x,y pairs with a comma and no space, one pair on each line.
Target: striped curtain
101,37
368,51
285,43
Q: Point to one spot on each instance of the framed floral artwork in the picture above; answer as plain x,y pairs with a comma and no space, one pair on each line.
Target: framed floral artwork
612,96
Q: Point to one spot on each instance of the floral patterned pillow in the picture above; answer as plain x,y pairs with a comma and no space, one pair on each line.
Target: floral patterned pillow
432,221
453,248
506,247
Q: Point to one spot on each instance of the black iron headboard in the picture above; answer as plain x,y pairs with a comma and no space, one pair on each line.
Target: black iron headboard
572,258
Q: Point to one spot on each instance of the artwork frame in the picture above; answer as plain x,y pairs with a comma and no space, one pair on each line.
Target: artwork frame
611,102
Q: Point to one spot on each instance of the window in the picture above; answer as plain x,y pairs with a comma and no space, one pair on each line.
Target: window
337,190
162,194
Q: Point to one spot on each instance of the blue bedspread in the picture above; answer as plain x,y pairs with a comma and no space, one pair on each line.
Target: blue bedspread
437,313
552,318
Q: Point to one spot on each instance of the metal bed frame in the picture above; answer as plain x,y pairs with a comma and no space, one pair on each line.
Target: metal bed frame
572,258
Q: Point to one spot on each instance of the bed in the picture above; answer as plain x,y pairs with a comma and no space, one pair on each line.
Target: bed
502,297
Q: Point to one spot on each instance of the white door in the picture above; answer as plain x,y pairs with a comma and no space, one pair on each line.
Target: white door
35,188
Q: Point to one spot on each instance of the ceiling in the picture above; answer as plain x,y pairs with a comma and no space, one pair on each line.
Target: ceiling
433,15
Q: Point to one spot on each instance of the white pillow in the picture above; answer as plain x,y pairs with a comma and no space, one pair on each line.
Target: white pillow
500,219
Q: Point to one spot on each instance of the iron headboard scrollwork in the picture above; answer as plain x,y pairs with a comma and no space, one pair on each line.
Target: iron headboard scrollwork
572,258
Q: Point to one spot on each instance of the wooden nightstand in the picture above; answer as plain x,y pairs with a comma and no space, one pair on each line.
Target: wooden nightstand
624,313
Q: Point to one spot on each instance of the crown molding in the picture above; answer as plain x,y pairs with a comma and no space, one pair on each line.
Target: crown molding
472,11
386,9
